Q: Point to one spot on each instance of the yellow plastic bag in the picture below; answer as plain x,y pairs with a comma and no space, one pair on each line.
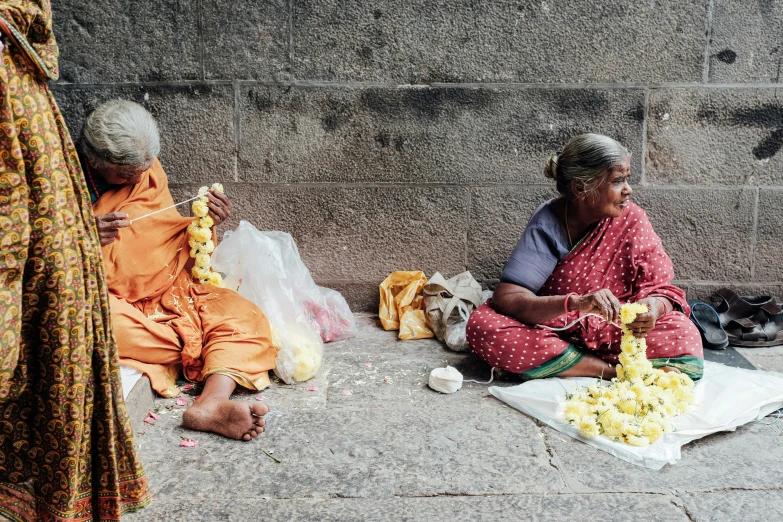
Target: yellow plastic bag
402,305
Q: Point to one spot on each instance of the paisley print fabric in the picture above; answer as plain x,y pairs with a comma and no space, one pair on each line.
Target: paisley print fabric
66,445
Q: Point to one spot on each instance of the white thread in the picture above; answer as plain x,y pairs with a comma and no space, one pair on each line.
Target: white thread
445,380
573,323
161,210
491,378
449,379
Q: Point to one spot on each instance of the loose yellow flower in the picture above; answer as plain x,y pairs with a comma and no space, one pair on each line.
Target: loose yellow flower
218,187
638,405
637,441
588,427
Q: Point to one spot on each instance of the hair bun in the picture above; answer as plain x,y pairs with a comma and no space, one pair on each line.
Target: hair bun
550,170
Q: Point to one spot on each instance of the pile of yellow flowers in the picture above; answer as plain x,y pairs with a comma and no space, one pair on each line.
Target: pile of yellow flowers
640,403
201,244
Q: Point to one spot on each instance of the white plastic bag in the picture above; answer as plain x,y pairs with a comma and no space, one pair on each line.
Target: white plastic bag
726,398
265,268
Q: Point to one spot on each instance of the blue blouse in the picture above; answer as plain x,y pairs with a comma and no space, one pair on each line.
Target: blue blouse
543,244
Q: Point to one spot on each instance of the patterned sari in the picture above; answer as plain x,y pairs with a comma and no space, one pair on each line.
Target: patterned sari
66,446
623,254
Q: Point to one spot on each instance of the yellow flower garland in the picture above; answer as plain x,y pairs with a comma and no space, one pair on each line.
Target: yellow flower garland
638,406
200,241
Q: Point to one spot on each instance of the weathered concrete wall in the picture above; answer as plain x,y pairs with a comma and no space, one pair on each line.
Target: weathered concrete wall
391,134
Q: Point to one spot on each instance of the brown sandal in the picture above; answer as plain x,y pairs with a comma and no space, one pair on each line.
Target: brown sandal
750,321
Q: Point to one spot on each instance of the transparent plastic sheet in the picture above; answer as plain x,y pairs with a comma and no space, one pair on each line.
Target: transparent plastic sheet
726,398
265,268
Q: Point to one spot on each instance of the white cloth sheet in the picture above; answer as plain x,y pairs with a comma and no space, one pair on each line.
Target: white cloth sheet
726,398
129,379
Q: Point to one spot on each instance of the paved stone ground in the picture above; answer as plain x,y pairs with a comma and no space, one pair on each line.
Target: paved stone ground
375,443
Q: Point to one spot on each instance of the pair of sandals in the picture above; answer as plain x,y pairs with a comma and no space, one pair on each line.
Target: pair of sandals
747,321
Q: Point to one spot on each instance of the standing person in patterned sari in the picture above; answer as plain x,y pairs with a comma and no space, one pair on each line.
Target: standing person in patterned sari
585,252
66,446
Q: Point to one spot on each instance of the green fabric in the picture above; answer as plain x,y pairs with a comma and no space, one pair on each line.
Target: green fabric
691,366
568,359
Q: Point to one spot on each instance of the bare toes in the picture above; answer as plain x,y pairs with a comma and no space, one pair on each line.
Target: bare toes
246,437
259,410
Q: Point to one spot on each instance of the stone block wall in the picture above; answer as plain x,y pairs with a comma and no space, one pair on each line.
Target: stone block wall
412,134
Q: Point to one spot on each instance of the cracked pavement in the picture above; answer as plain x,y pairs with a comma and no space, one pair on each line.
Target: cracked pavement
375,443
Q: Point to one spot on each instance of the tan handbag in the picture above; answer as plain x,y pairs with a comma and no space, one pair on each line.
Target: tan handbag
449,303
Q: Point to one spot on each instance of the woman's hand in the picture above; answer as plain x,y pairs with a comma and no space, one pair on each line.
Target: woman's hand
602,302
645,323
219,206
109,226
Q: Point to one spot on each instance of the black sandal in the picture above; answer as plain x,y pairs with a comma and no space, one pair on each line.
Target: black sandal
707,321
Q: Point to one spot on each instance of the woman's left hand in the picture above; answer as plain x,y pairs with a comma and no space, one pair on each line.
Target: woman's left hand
219,206
645,323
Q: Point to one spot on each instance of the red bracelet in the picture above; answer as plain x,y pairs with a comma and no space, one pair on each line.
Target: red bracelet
565,303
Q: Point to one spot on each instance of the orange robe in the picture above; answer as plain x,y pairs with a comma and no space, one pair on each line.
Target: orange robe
165,322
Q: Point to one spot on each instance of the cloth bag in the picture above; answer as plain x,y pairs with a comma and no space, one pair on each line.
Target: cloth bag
448,304
401,305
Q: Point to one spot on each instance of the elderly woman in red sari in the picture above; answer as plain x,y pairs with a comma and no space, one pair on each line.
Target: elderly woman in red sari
585,252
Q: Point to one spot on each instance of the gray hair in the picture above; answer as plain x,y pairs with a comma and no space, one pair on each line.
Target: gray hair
587,159
121,132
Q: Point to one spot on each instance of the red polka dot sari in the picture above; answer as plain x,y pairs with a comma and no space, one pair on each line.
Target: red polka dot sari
622,254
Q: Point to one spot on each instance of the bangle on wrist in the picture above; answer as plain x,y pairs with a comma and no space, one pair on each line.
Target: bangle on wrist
567,297
663,303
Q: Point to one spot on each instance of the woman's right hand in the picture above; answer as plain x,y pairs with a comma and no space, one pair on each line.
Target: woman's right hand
109,226
602,302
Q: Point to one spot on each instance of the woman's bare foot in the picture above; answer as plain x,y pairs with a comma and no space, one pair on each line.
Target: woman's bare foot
215,412
232,419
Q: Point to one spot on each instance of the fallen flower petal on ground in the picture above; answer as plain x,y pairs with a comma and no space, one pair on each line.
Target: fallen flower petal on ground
181,401
312,388
188,443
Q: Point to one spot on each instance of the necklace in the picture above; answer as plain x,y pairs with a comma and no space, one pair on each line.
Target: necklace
568,232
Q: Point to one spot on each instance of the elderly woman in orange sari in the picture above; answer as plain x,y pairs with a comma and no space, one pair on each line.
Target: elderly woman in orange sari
164,320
